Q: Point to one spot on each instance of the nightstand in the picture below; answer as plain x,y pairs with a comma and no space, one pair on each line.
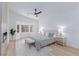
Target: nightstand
60,41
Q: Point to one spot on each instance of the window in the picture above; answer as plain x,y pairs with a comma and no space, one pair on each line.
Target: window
17,28
31,28
25,28
22,28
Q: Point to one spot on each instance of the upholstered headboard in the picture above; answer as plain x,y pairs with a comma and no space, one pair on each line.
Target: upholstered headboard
50,33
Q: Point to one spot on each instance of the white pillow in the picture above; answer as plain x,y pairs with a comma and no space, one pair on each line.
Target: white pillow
49,34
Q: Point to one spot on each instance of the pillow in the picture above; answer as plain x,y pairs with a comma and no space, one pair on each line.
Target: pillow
50,34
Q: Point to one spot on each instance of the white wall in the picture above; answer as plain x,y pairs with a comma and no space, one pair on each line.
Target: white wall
4,17
16,18
73,29
4,27
0,24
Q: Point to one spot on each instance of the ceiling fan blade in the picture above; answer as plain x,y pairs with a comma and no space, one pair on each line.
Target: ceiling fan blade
39,12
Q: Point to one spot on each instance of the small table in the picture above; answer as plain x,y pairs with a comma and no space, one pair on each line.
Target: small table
30,42
60,41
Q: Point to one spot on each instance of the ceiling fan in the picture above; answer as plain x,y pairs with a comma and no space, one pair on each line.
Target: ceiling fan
36,13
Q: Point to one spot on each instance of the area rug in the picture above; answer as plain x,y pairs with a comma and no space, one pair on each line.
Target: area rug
23,49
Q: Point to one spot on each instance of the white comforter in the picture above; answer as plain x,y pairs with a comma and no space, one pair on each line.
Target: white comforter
41,41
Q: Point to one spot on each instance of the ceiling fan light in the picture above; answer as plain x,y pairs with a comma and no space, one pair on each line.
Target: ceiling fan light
35,9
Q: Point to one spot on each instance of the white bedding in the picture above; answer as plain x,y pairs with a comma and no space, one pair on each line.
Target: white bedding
41,40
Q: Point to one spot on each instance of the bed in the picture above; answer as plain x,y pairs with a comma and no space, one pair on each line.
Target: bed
42,40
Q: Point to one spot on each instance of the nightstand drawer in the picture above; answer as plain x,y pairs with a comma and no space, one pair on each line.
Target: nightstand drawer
59,40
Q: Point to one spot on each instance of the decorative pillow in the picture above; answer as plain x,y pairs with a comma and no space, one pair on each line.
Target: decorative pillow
50,34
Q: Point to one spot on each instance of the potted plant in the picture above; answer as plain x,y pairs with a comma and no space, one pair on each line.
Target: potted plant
12,32
4,36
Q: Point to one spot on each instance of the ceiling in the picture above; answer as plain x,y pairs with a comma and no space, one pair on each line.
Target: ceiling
48,8
53,12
